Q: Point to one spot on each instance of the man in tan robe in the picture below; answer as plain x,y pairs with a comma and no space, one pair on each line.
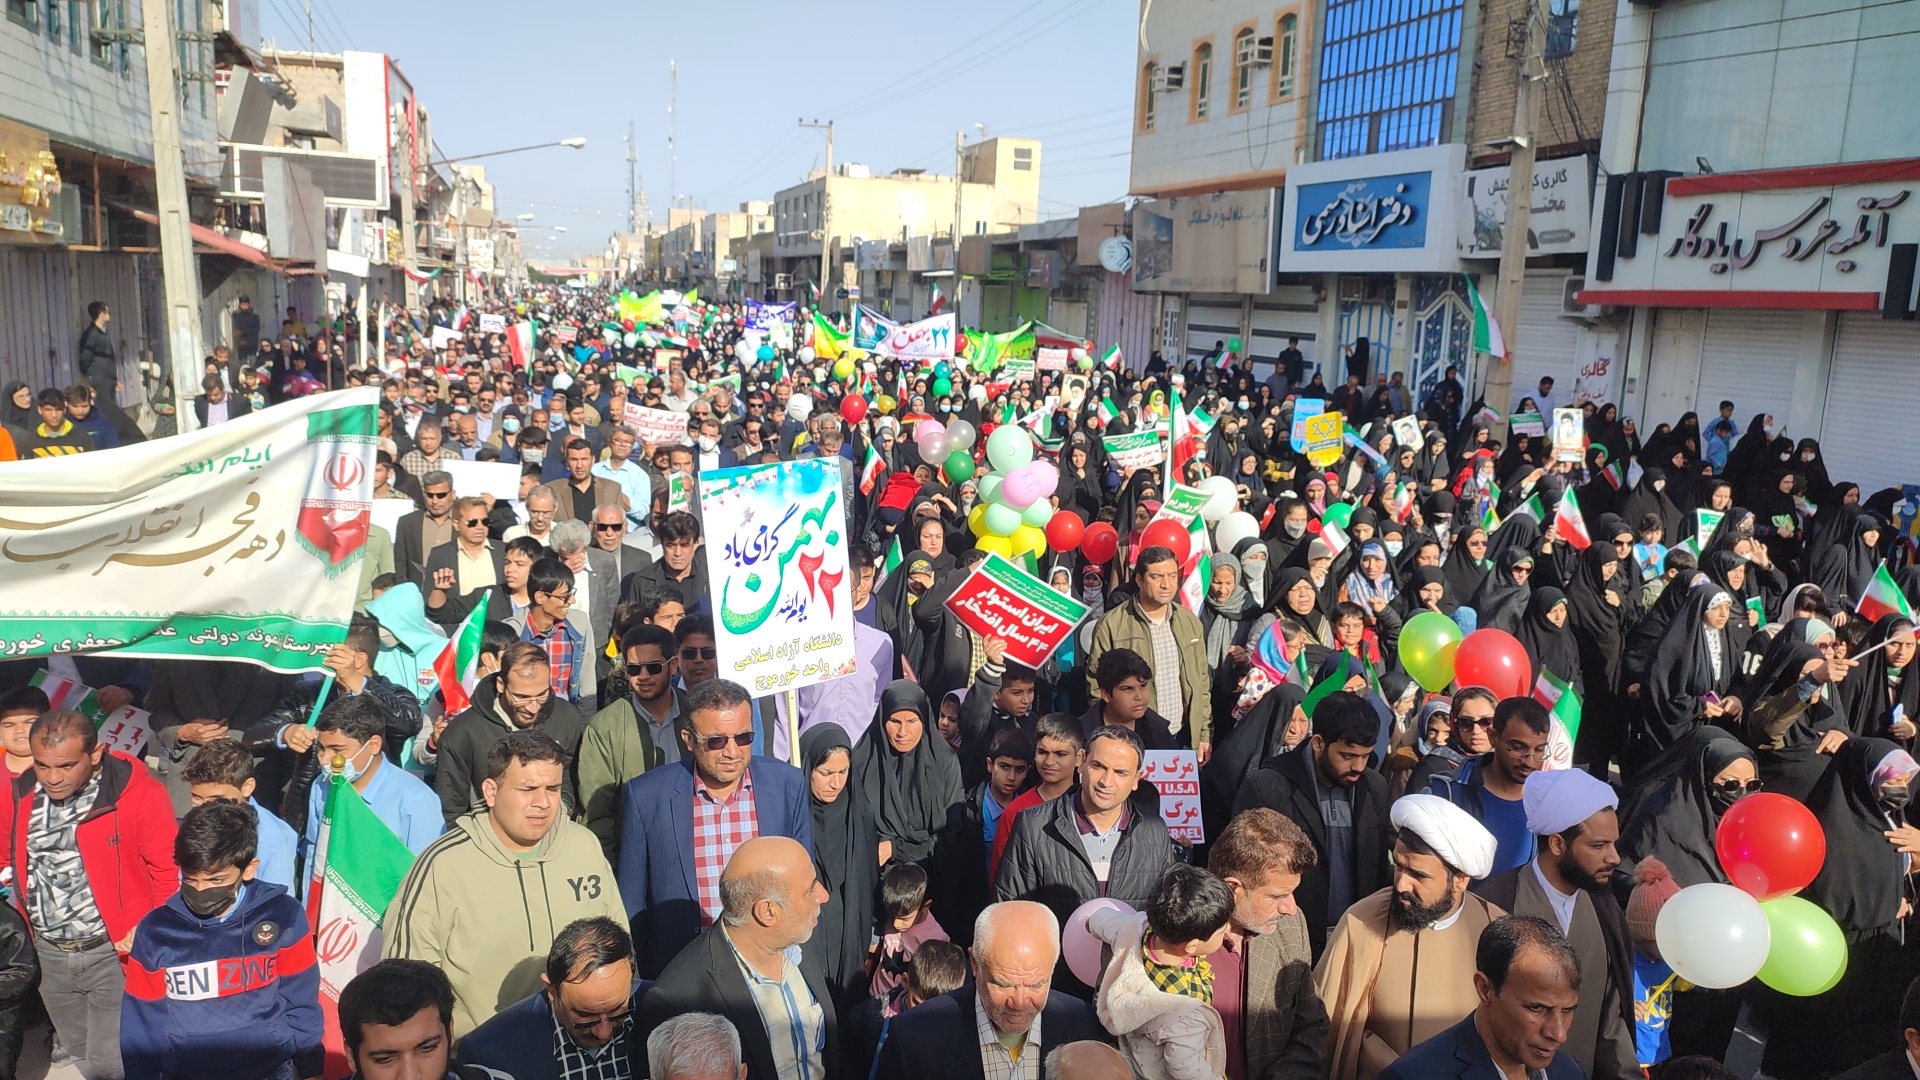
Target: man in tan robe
1398,968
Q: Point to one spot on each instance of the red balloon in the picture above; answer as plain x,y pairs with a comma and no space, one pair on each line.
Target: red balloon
1065,530
628,323
1496,660
1099,542
1173,536
1770,845
853,408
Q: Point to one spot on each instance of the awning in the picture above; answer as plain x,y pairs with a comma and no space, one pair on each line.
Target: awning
208,242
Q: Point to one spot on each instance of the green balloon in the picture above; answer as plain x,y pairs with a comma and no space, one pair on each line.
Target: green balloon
1427,644
1338,514
1009,448
942,387
1038,514
1002,520
989,487
1808,953
1233,345
958,467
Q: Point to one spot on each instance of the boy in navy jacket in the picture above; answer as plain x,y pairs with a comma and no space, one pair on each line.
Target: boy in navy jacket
222,982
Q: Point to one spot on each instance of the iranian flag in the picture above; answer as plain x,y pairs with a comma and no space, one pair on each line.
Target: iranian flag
520,338
1486,332
1569,523
1332,533
871,471
1202,422
358,867
1883,598
1111,358
1198,576
458,665
1563,710
1531,508
1109,412
939,301
1184,444
890,563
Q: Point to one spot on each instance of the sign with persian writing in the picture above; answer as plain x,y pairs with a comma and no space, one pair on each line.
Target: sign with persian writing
241,541
1136,450
777,573
1558,211
1001,600
1175,774
125,729
1369,212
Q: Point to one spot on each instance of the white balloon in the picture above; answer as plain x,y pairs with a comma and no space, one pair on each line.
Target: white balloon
960,435
1713,935
1234,528
1222,499
806,354
1077,355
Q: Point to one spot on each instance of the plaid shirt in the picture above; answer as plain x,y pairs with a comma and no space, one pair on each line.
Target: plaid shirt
566,655
1193,982
609,1062
996,1061
718,828
1169,698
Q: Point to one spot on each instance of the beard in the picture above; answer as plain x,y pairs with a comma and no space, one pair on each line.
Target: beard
1580,878
1404,915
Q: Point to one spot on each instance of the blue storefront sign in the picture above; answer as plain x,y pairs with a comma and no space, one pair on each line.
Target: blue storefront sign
1373,213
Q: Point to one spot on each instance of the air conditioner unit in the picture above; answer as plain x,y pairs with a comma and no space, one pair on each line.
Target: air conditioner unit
1263,52
1170,78
1572,307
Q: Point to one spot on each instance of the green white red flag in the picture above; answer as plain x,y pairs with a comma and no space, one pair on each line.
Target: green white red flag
1563,712
1486,332
358,867
520,342
871,471
1111,358
1882,598
1184,445
458,665
1570,524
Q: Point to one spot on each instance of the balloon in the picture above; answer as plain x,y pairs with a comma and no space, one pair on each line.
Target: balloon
1222,499
1172,535
1427,645
1770,845
1494,659
765,353
1009,448
1809,954
977,520
927,428
631,339
627,324
1086,363
998,545
853,408
933,448
989,487
1078,355
1233,345
843,368
958,465
942,387
1065,531
1713,935
1234,528
1100,542
1079,947
1338,514
960,435
1087,344
1038,514
1028,540
885,404
743,350
941,370
1046,478
1002,520
806,354
1019,489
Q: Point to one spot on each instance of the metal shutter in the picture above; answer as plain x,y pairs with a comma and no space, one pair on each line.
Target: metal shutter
1749,357
1210,319
1870,403
1290,312
1547,340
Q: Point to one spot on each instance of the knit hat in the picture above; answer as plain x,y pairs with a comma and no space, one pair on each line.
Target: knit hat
1653,888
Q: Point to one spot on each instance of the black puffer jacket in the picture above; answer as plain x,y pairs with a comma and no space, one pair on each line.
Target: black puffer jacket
1045,861
470,736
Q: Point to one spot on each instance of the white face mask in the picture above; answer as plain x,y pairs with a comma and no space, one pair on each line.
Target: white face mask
1295,529
1659,485
708,444
1394,547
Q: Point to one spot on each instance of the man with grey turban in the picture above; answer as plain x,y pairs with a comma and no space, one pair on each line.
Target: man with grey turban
1398,968
1572,817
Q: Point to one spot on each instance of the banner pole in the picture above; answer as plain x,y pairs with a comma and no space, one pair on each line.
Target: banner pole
320,702
793,729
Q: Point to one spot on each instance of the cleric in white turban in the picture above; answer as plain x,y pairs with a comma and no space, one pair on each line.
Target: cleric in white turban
1398,968
1571,814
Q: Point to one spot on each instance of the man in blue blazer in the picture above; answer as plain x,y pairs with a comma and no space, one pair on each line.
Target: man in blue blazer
1528,979
591,998
1015,945
680,822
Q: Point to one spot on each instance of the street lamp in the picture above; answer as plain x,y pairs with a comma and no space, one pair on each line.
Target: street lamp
573,143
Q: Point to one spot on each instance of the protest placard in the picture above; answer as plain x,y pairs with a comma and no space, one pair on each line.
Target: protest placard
565,335
1325,436
387,513
125,729
493,324
1001,600
656,426
1528,423
1569,435
1048,359
1705,521
778,578
1137,450
1406,432
1304,409
1182,505
928,340
498,479
1176,775
444,336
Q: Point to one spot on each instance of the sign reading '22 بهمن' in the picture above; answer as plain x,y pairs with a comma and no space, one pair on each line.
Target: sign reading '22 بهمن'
1366,213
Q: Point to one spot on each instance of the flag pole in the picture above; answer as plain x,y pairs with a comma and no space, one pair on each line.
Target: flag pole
793,729
320,702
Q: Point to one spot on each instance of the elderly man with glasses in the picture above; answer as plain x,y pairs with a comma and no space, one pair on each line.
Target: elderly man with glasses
580,1023
419,533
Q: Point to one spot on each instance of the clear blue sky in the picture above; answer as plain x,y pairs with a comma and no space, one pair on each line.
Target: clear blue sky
897,78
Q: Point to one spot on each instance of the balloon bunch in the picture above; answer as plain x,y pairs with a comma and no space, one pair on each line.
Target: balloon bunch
1014,513
1719,936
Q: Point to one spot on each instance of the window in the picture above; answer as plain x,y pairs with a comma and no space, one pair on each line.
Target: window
1562,19
1243,48
1202,81
1387,75
106,16
53,20
1148,75
24,12
1286,43
1023,159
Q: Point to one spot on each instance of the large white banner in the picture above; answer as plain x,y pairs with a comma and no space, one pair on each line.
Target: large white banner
236,542
777,573
928,339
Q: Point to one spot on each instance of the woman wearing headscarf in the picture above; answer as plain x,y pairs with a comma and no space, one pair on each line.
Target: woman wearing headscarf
1467,567
1834,518
1693,673
1845,568
1549,641
1300,601
19,413
1649,496
1428,736
1258,572
907,771
1745,469
1882,692
1596,615
1274,725
1080,480
1810,461
1430,465
1501,601
1728,570
1598,497
1672,809
846,850
1228,620
1794,717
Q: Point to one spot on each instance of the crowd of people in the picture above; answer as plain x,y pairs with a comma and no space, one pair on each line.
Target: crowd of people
622,869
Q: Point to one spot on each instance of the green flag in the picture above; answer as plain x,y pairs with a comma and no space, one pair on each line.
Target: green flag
1334,681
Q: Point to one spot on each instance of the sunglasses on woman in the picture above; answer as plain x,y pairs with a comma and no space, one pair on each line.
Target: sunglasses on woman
1739,788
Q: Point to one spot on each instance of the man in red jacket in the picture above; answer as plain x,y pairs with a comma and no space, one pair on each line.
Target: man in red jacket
90,839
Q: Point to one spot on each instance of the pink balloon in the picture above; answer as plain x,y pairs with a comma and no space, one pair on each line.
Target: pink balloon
1019,490
1078,945
1046,478
927,428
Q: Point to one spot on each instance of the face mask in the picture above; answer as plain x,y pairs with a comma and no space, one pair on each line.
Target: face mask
1659,485
1894,800
1808,456
350,773
1722,800
533,457
1243,406
511,425
1394,547
1295,529
708,444
944,407
207,903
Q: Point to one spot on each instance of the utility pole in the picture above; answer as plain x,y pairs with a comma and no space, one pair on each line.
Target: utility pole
633,203
673,147
826,207
959,188
1527,100
179,275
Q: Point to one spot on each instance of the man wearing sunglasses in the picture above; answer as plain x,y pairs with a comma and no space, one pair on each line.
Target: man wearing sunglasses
458,573
590,996
633,734
680,823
